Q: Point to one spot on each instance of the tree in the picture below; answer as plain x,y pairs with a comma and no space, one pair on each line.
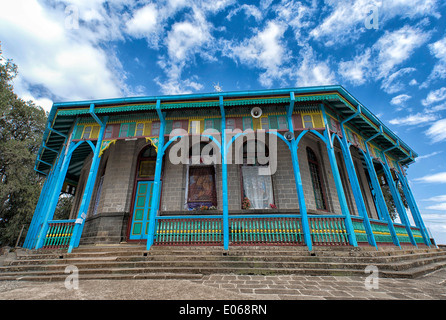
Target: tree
22,124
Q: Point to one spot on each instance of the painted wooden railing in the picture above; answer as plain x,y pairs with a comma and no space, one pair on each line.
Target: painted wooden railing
380,230
59,234
417,235
188,231
265,230
250,230
382,233
328,230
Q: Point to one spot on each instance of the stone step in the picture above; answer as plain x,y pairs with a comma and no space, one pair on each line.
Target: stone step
133,261
246,255
102,276
229,263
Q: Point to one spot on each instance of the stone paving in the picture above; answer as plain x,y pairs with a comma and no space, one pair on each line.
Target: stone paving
235,287
432,286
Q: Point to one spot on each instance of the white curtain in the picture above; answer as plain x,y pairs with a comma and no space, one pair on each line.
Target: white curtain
258,188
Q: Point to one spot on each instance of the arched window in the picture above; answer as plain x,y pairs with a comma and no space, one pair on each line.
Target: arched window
316,179
147,162
257,188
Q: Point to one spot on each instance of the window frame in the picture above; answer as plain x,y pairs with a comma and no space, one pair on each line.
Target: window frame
318,171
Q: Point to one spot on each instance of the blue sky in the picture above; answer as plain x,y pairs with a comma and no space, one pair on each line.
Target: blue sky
79,49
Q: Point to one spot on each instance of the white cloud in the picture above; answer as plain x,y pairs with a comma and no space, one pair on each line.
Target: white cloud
414,119
356,71
395,82
380,60
265,50
347,19
56,62
438,50
312,72
436,108
434,178
400,99
441,198
298,16
345,23
395,47
184,41
426,156
143,22
250,11
437,132
435,96
440,206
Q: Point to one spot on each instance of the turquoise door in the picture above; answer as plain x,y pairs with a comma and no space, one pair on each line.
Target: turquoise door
141,211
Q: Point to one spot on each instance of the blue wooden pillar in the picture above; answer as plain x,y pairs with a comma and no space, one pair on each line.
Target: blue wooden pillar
378,192
86,197
154,206
338,183
224,176
354,182
397,198
297,177
413,206
53,197
50,192
36,222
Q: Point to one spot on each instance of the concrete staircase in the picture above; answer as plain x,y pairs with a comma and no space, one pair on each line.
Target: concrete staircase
135,262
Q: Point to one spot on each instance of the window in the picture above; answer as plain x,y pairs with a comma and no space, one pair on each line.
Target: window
108,132
201,187
247,123
124,130
308,122
208,124
316,179
87,132
257,189
177,125
194,126
230,124
264,123
147,162
155,128
139,129
282,122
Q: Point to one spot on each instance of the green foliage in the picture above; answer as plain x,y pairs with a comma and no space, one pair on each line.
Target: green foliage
22,124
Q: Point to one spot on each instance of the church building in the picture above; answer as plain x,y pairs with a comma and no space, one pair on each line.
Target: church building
299,167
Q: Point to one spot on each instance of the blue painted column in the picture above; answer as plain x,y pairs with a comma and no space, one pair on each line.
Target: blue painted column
86,197
354,182
53,197
413,207
338,183
398,202
376,186
297,177
36,222
154,206
224,176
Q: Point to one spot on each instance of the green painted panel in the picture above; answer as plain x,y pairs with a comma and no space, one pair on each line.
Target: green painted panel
142,189
140,200
137,228
139,214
